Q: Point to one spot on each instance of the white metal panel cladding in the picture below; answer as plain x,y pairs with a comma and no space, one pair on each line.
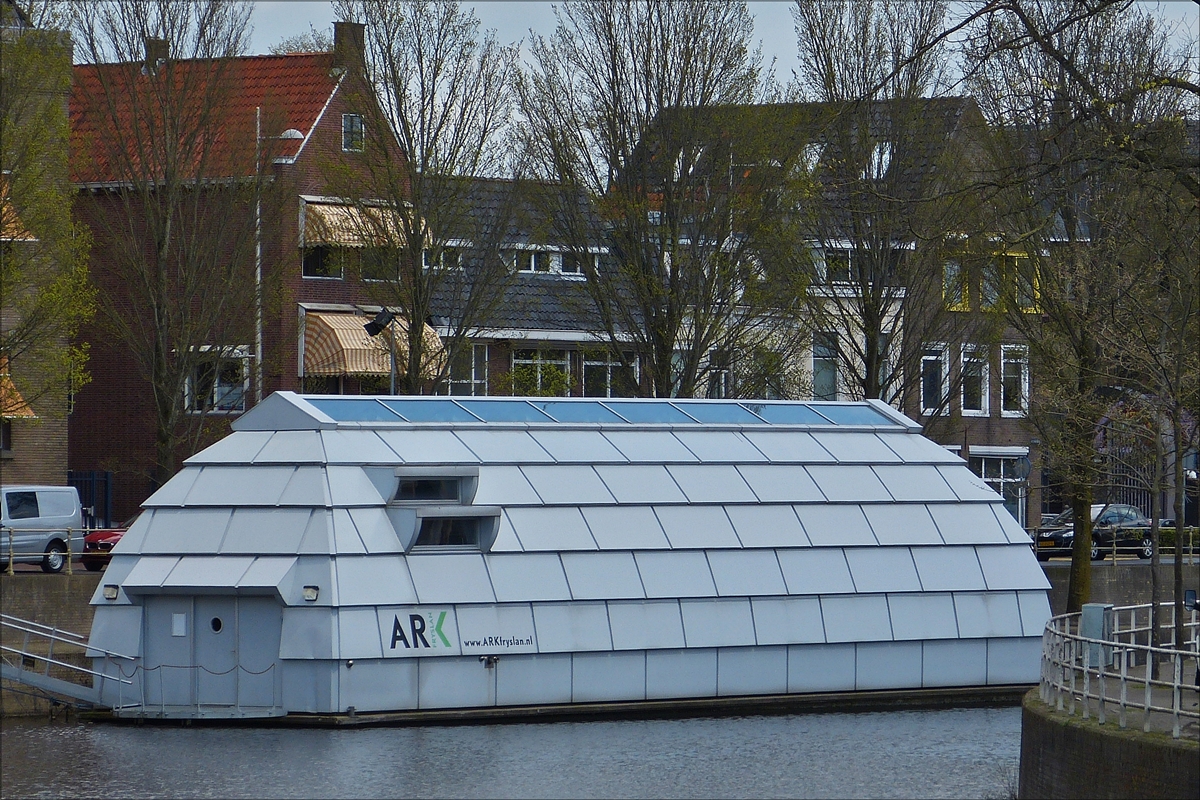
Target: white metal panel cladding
787,620
681,673
504,486
966,484
572,627
1013,660
586,447
194,530
215,572
649,625
533,680
307,487
816,571
821,668
601,576
376,530
451,578
759,670
556,529
366,581
902,523
356,447
742,573
967,523
856,618
767,526
641,483
174,492
887,665
625,528
835,525
318,536
496,629
780,483
345,534
717,623
1035,610
669,574
697,526
506,538
1015,533
711,483
350,486
849,482
789,448
715,447
889,569
504,447
987,615
266,530
292,447
239,486
860,448
240,447
923,616
954,662
597,677
428,447
914,482
1009,567
567,484
917,449
652,447
947,569
522,578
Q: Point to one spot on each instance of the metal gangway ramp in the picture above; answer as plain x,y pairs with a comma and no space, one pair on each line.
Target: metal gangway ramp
38,643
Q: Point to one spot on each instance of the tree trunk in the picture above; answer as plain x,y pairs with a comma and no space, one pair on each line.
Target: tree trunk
1079,589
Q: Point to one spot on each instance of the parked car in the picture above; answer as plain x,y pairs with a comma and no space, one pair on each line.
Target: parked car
1123,523
98,545
36,523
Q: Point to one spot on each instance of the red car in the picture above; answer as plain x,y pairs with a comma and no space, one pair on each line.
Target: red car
98,544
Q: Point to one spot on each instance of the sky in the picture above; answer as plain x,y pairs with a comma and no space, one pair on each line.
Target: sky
275,20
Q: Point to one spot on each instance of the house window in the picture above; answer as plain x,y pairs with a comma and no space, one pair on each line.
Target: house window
380,264
323,261
974,381
954,287
427,490
1014,381
604,376
219,382
352,132
448,532
578,263
1000,473
449,258
469,372
836,264
720,379
541,373
825,365
934,379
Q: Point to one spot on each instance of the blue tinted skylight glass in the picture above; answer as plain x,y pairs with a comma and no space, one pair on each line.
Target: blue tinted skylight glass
429,410
577,412
504,411
854,415
789,414
358,409
650,411
727,413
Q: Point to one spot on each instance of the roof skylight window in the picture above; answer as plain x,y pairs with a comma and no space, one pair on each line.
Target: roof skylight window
354,409
430,410
504,411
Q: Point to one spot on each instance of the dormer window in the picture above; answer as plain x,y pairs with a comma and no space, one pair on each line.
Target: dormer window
549,262
431,509
353,133
428,490
449,532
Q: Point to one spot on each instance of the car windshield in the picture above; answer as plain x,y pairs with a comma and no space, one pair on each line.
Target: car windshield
1064,518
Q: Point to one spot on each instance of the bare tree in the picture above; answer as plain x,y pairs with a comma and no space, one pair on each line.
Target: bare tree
630,105
315,41
1075,96
443,88
44,291
166,163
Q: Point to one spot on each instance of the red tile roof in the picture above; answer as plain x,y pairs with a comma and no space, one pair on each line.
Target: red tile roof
107,98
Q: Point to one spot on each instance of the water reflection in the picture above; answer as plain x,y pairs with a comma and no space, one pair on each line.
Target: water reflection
947,753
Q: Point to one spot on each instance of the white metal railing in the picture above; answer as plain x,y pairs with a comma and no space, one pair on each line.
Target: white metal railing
153,677
28,630
1099,675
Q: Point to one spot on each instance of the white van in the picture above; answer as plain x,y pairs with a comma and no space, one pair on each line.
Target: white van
39,519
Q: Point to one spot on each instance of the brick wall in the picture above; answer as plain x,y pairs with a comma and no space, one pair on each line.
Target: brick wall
1064,756
38,454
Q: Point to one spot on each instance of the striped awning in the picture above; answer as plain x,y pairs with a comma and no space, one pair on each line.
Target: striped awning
337,344
343,225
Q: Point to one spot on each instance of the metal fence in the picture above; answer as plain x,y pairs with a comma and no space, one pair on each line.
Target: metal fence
1116,672
8,534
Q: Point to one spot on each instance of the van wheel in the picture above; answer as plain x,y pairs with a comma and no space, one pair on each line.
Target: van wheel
55,558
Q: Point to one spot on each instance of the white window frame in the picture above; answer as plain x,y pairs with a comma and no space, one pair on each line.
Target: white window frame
975,354
941,354
240,353
478,380
1005,462
347,145
1014,354
554,263
834,361
606,361
540,360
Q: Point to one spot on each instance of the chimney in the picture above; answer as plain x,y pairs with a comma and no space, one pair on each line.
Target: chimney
157,52
348,45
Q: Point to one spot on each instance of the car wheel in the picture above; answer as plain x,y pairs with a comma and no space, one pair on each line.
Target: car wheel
1147,548
1096,554
1043,556
92,566
55,558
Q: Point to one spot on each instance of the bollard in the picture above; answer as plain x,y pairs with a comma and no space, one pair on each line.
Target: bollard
9,570
69,532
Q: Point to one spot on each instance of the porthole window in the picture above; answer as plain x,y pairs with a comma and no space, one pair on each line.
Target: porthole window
216,624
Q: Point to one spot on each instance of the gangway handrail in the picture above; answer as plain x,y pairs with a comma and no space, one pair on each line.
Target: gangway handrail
32,624
54,634
55,661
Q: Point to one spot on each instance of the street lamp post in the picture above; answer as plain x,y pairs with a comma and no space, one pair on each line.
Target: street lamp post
292,134
376,326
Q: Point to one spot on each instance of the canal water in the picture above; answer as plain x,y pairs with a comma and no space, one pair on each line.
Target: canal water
943,753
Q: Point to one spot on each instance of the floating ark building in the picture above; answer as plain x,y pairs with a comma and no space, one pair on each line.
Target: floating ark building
357,554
